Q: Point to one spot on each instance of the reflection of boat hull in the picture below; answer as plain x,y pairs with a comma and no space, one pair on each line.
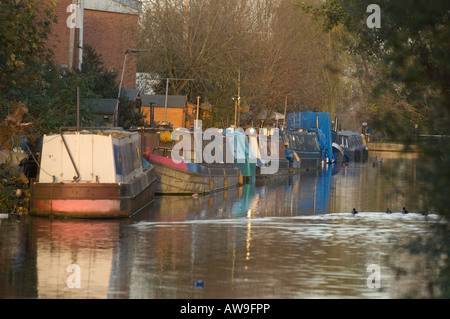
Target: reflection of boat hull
283,170
305,164
68,265
187,178
93,200
356,154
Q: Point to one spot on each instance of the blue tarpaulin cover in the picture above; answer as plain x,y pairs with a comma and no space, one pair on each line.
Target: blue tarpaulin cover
307,120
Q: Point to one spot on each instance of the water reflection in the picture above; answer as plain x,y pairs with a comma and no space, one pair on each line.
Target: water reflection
291,237
306,193
391,183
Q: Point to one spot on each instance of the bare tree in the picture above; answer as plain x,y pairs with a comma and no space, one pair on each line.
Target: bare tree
263,50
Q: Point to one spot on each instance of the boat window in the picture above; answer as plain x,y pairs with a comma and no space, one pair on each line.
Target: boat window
353,141
118,160
314,143
356,140
306,143
128,151
292,142
360,143
302,143
284,138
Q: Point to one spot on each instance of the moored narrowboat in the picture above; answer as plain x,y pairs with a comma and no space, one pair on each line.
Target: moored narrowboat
318,123
186,174
353,146
302,150
181,178
92,173
269,153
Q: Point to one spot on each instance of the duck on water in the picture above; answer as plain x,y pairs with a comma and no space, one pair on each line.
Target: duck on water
388,211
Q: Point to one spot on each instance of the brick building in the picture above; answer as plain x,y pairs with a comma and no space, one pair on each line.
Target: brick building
108,26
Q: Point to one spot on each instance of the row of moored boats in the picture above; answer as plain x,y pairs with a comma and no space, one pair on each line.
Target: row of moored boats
112,173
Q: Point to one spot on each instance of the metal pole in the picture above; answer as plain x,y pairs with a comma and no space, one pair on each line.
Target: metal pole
165,104
72,41
123,71
152,113
235,112
198,102
80,40
124,63
78,108
239,99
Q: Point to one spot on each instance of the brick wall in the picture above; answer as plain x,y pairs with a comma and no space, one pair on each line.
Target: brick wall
109,33
59,36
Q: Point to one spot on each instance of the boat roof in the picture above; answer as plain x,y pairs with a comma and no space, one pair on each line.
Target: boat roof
348,133
105,131
298,132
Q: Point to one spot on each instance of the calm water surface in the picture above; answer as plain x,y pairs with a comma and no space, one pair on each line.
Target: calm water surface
290,237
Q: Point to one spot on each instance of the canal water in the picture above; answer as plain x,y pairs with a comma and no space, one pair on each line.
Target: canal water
292,237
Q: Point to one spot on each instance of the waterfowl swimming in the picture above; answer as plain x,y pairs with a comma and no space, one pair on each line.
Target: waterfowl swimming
388,211
374,164
404,211
424,213
354,212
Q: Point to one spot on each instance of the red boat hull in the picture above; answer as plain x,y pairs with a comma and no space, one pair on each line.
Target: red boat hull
92,200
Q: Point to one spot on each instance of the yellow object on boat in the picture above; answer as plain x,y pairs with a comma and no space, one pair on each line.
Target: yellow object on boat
165,137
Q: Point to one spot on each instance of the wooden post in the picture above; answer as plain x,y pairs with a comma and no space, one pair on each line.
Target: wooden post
198,104
235,112
78,108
